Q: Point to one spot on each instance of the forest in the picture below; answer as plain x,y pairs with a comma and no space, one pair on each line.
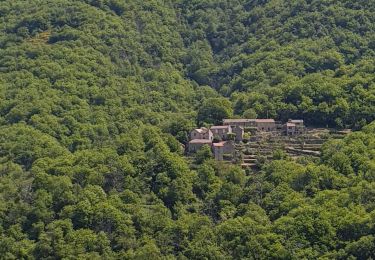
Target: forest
97,98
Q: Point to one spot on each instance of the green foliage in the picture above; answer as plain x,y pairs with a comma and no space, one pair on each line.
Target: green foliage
301,59
203,154
97,99
249,113
214,110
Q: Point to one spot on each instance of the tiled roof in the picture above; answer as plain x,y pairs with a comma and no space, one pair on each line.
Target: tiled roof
265,120
201,130
221,144
220,127
241,120
200,141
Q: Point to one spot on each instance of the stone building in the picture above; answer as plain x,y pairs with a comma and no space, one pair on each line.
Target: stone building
197,144
223,148
294,127
240,122
261,125
222,131
266,125
201,133
239,132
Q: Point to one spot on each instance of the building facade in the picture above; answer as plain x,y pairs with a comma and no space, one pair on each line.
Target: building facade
221,131
223,148
294,127
201,133
261,125
240,122
197,144
266,125
239,132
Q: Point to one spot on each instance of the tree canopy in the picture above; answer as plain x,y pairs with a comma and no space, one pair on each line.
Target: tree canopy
97,98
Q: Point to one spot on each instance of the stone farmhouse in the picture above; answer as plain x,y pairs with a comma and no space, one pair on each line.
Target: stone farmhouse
261,125
201,133
204,136
294,127
265,125
240,122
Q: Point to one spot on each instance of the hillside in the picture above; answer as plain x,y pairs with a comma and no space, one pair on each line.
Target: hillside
97,98
307,59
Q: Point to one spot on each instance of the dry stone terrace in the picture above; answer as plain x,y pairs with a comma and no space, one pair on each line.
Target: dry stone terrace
244,141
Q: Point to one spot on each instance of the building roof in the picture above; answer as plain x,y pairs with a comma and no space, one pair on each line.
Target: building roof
296,120
265,120
220,127
240,120
290,124
220,144
201,130
200,141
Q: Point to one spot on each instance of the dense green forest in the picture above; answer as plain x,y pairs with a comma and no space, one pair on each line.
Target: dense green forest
97,98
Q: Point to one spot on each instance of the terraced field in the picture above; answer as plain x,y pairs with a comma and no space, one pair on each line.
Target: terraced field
263,146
